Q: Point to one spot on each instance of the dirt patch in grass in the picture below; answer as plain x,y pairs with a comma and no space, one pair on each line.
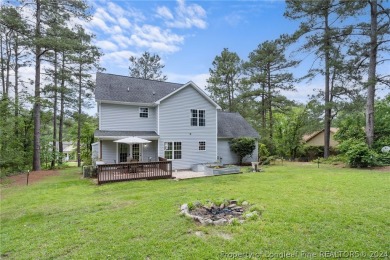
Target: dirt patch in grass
21,179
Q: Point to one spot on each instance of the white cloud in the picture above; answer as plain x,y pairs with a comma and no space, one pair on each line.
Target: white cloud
115,9
123,31
103,15
156,39
186,16
119,59
123,41
124,22
106,46
97,23
164,12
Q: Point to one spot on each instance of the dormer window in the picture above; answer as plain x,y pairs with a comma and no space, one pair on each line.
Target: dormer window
198,117
144,112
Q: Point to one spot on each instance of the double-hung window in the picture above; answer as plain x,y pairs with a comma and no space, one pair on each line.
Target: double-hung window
198,117
144,112
202,146
172,150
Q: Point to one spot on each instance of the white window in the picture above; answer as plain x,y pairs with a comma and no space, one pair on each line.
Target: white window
202,146
144,112
172,150
198,117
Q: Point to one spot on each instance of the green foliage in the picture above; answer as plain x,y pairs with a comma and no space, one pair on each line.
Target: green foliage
289,129
224,83
358,154
383,159
333,159
263,152
15,138
235,222
351,127
148,66
191,206
382,124
242,147
89,124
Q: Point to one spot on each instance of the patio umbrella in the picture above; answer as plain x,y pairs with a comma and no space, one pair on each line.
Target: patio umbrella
132,140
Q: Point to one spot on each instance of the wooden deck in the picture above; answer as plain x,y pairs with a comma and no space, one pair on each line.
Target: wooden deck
134,171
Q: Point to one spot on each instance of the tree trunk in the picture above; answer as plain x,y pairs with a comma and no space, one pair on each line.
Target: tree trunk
79,121
263,114
16,87
62,106
2,63
270,101
8,63
37,93
328,109
54,147
372,74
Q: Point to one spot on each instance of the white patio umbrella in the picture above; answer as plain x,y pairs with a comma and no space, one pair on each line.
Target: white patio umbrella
132,140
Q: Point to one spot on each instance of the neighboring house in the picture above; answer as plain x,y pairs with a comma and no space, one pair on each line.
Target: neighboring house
68,150
183,124
317,138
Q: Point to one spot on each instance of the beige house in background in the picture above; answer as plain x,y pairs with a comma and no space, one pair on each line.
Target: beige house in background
317,138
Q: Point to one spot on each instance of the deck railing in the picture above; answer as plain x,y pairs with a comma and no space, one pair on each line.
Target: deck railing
134,171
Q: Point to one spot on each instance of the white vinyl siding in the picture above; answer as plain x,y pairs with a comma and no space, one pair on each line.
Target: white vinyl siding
109,151
118,117
150,151
174,116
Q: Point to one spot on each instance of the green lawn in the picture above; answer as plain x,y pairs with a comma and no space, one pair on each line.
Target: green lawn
307,210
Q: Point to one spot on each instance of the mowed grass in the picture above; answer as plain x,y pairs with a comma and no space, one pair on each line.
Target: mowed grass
307,210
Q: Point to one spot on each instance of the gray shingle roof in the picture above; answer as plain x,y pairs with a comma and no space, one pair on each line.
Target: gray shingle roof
233,125
105,133
128,89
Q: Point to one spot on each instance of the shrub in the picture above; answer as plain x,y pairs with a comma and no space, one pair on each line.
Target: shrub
358,154
242,147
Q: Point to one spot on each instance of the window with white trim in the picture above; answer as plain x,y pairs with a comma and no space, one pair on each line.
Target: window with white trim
202,146
198,117
172,150
144,112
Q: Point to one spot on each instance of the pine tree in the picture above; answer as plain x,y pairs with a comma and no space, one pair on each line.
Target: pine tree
224,81
148,66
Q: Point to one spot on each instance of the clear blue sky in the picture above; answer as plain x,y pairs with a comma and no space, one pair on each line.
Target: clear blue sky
188,34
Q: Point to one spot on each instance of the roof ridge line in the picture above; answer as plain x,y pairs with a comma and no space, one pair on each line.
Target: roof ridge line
141,78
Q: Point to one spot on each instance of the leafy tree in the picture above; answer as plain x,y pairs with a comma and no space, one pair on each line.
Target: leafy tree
318,20
382,125
289,130
224,81
242,147
42,42
86,136
86,59
148,66
370,46
267,67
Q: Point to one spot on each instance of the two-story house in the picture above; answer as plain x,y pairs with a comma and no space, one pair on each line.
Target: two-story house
183,123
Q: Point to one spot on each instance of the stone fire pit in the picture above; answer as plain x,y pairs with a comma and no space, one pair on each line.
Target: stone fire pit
228,212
